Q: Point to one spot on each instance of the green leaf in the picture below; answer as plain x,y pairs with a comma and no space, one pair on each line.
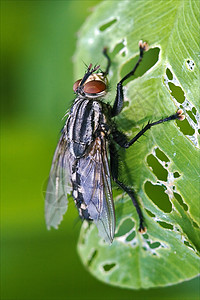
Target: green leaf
163,167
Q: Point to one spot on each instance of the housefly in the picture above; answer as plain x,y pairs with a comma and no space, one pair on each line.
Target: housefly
86,158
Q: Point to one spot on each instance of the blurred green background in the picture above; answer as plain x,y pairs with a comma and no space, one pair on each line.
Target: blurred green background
38,39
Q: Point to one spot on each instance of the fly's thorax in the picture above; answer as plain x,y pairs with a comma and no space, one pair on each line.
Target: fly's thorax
82,126
94,87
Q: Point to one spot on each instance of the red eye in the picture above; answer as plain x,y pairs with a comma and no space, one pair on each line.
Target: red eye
76,84
94,87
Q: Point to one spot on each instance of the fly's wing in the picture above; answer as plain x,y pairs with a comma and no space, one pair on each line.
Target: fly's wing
58,185
96,188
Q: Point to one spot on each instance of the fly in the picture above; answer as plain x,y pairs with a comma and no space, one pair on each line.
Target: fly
86,158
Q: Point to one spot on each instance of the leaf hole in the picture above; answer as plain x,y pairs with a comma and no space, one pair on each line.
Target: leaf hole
194,110
154,245
109,267
160,172
157,194
169,74
123,53
190,113
165,225
150,213
190,64
107,25
180,201
177,92
189,125
92,257
176,175
188,245
161,155
185,127
126,104
131,236
125,227
117,49
145,236
149,60
195,225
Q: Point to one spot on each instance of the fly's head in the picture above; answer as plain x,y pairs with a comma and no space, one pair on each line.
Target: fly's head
92,85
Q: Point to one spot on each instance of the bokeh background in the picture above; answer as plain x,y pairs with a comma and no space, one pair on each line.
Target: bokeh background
38,39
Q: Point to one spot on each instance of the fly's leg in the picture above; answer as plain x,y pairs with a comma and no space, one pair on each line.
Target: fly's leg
108,61
129,191
119,99
121,138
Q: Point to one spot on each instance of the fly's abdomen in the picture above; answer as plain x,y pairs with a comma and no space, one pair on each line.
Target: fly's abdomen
82,124
78,195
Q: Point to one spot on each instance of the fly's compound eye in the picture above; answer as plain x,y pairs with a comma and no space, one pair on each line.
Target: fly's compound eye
94,87
76,84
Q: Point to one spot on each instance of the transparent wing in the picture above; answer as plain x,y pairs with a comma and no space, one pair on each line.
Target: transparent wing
58,185
96,188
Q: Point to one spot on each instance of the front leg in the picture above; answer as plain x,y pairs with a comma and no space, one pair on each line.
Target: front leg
119,99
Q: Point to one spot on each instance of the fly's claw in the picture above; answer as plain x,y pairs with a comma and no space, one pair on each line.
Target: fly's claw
143,45
180,115
142,229
105,50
